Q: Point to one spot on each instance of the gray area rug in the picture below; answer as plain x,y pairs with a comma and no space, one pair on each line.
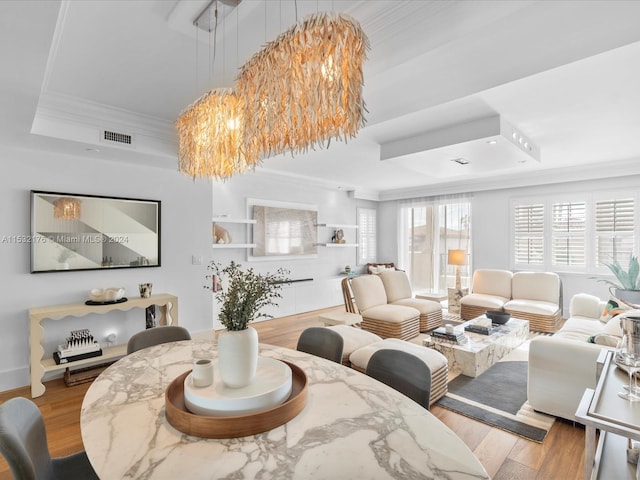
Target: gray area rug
498,398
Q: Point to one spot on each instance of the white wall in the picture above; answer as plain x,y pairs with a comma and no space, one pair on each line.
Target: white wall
186,230
491,229
334,206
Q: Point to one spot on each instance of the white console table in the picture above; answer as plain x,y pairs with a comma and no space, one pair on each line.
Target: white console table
616,418
39,366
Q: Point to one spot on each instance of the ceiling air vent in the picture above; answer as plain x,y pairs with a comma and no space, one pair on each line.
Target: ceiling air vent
115,137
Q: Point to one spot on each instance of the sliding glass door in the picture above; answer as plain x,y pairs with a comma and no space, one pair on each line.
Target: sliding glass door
429,228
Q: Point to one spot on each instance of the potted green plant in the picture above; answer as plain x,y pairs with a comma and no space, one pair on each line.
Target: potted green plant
627,287
242,294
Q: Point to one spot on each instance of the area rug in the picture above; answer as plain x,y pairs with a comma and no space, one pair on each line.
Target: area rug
498,397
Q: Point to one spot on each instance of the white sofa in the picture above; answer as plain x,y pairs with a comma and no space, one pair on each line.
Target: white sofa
562,366
532,296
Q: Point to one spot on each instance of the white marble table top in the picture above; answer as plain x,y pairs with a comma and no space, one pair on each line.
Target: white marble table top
352,427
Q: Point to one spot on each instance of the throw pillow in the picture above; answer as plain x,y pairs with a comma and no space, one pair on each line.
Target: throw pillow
612,308
605,339
613,327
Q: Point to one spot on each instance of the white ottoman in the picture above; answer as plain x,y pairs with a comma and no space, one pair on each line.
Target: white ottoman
353,338
436,362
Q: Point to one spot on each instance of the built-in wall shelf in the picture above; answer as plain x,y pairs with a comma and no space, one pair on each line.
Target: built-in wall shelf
333,227
233,245
230,220
331,244
336,225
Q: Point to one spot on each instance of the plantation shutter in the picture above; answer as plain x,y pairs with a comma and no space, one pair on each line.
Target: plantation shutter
568,233
529,234
614,231
367,248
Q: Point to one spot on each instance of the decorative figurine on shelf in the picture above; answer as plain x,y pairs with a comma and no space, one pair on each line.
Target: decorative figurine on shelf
220,235
338,236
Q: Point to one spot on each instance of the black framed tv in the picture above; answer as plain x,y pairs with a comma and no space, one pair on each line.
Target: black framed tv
71,231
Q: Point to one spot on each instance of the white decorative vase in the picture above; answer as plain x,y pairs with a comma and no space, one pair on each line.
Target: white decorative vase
238,356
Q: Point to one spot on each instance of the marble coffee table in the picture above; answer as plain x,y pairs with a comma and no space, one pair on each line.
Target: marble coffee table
480,351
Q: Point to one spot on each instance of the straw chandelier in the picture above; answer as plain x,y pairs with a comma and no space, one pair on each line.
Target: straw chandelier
305,87
66,208
211,134
301,90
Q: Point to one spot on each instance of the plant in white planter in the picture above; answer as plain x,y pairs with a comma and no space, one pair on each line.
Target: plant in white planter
242,295
628,287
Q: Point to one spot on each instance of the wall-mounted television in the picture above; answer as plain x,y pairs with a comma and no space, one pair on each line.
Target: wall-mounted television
283,230
71,231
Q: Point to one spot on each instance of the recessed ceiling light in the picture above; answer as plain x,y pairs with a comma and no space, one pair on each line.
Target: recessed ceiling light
492,142
461,161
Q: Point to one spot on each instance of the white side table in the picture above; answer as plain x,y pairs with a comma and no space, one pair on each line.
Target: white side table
340,318
454,298
433,296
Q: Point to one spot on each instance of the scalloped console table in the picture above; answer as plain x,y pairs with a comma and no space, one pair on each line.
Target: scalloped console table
39,366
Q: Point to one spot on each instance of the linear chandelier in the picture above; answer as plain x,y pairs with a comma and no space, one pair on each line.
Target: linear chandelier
305,87
299,91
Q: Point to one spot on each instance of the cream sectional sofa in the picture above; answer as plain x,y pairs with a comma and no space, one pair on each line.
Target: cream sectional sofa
563,365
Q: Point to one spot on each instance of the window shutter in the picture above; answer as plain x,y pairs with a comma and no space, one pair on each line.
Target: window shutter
529,234
367,248
614,231
568,233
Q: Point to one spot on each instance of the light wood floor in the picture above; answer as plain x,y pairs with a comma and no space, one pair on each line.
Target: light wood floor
504,456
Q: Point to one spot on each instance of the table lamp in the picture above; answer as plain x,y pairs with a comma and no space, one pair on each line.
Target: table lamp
457,258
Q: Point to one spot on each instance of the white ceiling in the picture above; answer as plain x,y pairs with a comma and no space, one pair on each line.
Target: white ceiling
564,74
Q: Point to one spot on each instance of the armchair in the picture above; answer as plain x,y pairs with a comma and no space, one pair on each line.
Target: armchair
536,297
399,292
380,317
490,290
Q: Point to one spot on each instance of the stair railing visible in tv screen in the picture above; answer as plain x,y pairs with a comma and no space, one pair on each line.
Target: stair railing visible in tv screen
88,232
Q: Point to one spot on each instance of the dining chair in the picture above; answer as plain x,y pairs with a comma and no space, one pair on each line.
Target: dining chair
403,372
23,443
156,336
321,342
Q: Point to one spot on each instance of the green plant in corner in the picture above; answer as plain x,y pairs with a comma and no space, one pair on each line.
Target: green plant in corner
627,279
243,293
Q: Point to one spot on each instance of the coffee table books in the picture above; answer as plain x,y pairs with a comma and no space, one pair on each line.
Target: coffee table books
456,337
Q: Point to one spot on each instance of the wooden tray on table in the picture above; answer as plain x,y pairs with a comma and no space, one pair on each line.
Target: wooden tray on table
235,426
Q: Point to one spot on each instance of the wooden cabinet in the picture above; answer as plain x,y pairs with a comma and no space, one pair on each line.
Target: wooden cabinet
39,365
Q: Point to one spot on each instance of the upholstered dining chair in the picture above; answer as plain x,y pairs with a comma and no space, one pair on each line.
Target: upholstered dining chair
402,371
156,336
23,443
321,342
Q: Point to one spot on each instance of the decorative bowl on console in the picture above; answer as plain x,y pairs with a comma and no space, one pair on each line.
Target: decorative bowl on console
497,317
106,294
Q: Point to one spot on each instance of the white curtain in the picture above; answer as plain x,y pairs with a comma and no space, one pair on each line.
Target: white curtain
428,228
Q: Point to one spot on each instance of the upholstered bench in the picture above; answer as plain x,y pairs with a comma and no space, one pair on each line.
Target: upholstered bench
436,362
353,338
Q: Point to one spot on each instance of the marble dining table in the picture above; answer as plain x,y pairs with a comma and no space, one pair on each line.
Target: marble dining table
352,427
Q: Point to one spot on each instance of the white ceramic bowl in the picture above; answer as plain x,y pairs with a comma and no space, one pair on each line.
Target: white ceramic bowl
106,294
